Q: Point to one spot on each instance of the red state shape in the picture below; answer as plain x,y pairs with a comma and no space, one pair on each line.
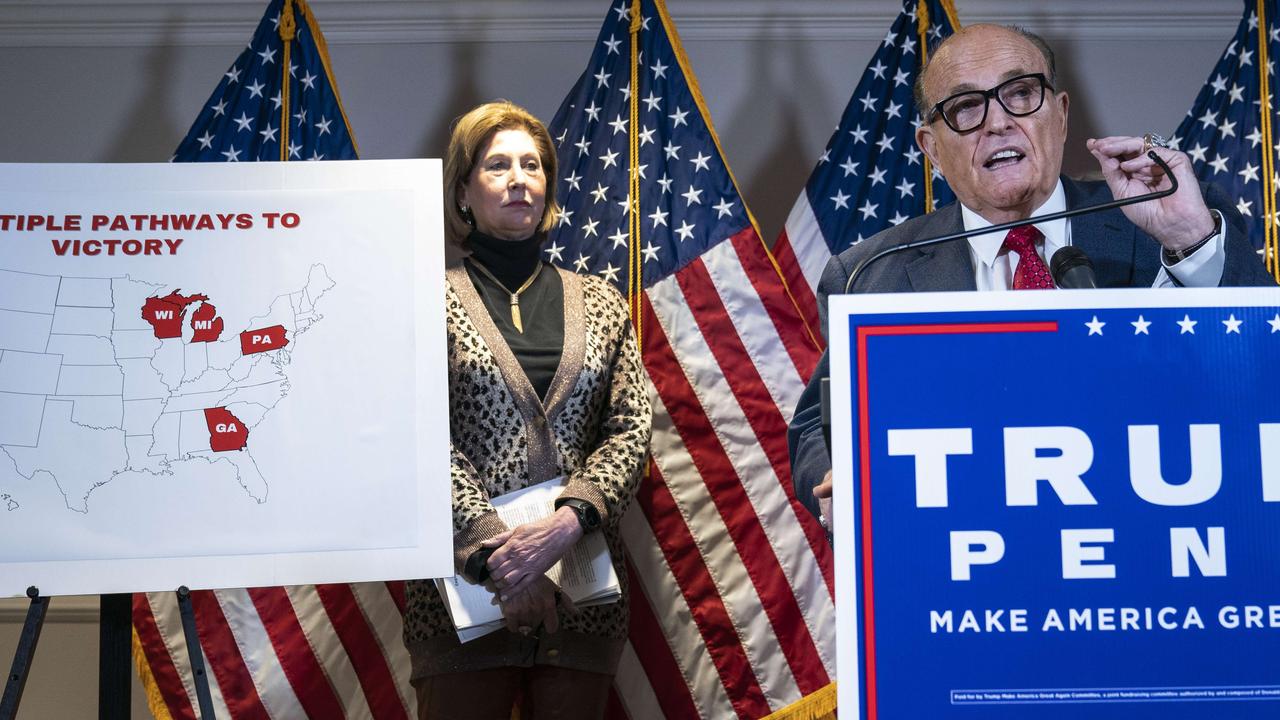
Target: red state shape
165,313
263,340
226,432
206,324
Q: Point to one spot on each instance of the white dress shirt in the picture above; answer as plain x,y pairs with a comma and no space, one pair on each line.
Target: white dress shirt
994,266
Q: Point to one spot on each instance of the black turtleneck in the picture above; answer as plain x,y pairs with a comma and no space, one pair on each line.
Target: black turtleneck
539,347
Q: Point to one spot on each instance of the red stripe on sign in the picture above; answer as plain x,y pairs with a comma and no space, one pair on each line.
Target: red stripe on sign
794,276
222,658
364,650
724,488
689,569
864,441
396,588
801,337
297,658
757,404
168,679
650,645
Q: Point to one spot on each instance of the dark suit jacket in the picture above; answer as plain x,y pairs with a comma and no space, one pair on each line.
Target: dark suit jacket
1122,255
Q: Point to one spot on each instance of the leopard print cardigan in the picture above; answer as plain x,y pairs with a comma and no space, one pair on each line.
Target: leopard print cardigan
593,429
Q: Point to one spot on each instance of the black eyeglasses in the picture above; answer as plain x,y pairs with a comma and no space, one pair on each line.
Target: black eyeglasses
966,111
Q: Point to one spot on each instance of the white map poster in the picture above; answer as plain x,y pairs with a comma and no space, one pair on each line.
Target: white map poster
221,375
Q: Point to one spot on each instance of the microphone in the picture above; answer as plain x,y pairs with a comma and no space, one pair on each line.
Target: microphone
1173,187
1072,269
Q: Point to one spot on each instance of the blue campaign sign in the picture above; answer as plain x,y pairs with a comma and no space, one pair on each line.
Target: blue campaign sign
1058,505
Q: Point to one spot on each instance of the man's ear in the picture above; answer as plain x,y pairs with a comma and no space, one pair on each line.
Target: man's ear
926,141
1065,102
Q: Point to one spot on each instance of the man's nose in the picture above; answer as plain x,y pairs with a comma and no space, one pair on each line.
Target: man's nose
998,119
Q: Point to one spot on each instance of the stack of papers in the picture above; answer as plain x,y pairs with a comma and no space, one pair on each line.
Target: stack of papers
585,574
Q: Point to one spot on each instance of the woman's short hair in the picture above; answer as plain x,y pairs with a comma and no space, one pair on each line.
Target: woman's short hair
471,133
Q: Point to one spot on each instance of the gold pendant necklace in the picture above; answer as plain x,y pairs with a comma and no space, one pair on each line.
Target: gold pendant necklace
515,296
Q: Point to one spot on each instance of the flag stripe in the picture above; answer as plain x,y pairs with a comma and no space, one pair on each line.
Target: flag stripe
720,469
767,283
396,588
802,287
665,633
297,660
168,679
259,656
222,657
632,682
387,622
362,647
329,651
711,313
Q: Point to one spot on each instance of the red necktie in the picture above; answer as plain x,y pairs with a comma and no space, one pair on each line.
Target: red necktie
1032,274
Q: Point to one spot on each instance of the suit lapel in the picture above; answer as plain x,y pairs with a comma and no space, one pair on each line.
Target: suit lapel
942,267
1106,237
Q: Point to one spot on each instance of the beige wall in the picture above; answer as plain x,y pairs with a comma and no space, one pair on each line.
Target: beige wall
104,81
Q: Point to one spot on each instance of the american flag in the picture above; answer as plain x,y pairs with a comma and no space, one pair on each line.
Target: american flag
330,651
871,174
1230,139
731,581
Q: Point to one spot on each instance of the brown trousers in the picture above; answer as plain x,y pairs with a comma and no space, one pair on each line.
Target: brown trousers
548,693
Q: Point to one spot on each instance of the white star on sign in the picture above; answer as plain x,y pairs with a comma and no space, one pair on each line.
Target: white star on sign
659,217
1232,324
692,196
868,210
243,121
841,200
1275,323
685,231
1140,326
700,162
205,140
1188,325
724,208
1095,326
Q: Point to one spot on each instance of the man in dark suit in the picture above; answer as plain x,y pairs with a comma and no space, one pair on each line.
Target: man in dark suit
995,124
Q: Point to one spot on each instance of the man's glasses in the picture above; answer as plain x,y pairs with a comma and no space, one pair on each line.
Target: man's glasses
966,111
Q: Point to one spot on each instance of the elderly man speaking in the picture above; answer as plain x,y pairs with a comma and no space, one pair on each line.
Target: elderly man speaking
995,123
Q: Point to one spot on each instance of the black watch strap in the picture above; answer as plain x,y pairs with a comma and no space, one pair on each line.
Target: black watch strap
588,516
1173,257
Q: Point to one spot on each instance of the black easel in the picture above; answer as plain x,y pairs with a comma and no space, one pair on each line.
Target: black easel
17,681
193,653
116,635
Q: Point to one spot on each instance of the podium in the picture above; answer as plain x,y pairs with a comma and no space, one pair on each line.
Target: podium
1058,505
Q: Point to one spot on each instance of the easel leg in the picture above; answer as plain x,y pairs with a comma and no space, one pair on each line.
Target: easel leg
17,680
115,649
193,652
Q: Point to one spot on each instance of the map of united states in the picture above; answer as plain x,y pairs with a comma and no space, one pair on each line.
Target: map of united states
102,376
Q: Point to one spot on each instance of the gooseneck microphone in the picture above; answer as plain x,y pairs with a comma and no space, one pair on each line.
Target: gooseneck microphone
1072,269
1173,187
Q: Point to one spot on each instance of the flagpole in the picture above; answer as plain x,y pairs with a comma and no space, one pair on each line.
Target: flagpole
635,265
1268,150
288,31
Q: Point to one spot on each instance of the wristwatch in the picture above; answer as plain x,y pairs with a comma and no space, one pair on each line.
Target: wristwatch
588,516
1173,257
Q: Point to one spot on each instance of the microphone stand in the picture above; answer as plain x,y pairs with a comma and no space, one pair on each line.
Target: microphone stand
1173,187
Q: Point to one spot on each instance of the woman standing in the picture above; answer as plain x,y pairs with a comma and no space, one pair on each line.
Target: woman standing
544,381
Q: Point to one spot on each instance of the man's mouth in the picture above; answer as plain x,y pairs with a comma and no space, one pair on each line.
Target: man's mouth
1004,158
